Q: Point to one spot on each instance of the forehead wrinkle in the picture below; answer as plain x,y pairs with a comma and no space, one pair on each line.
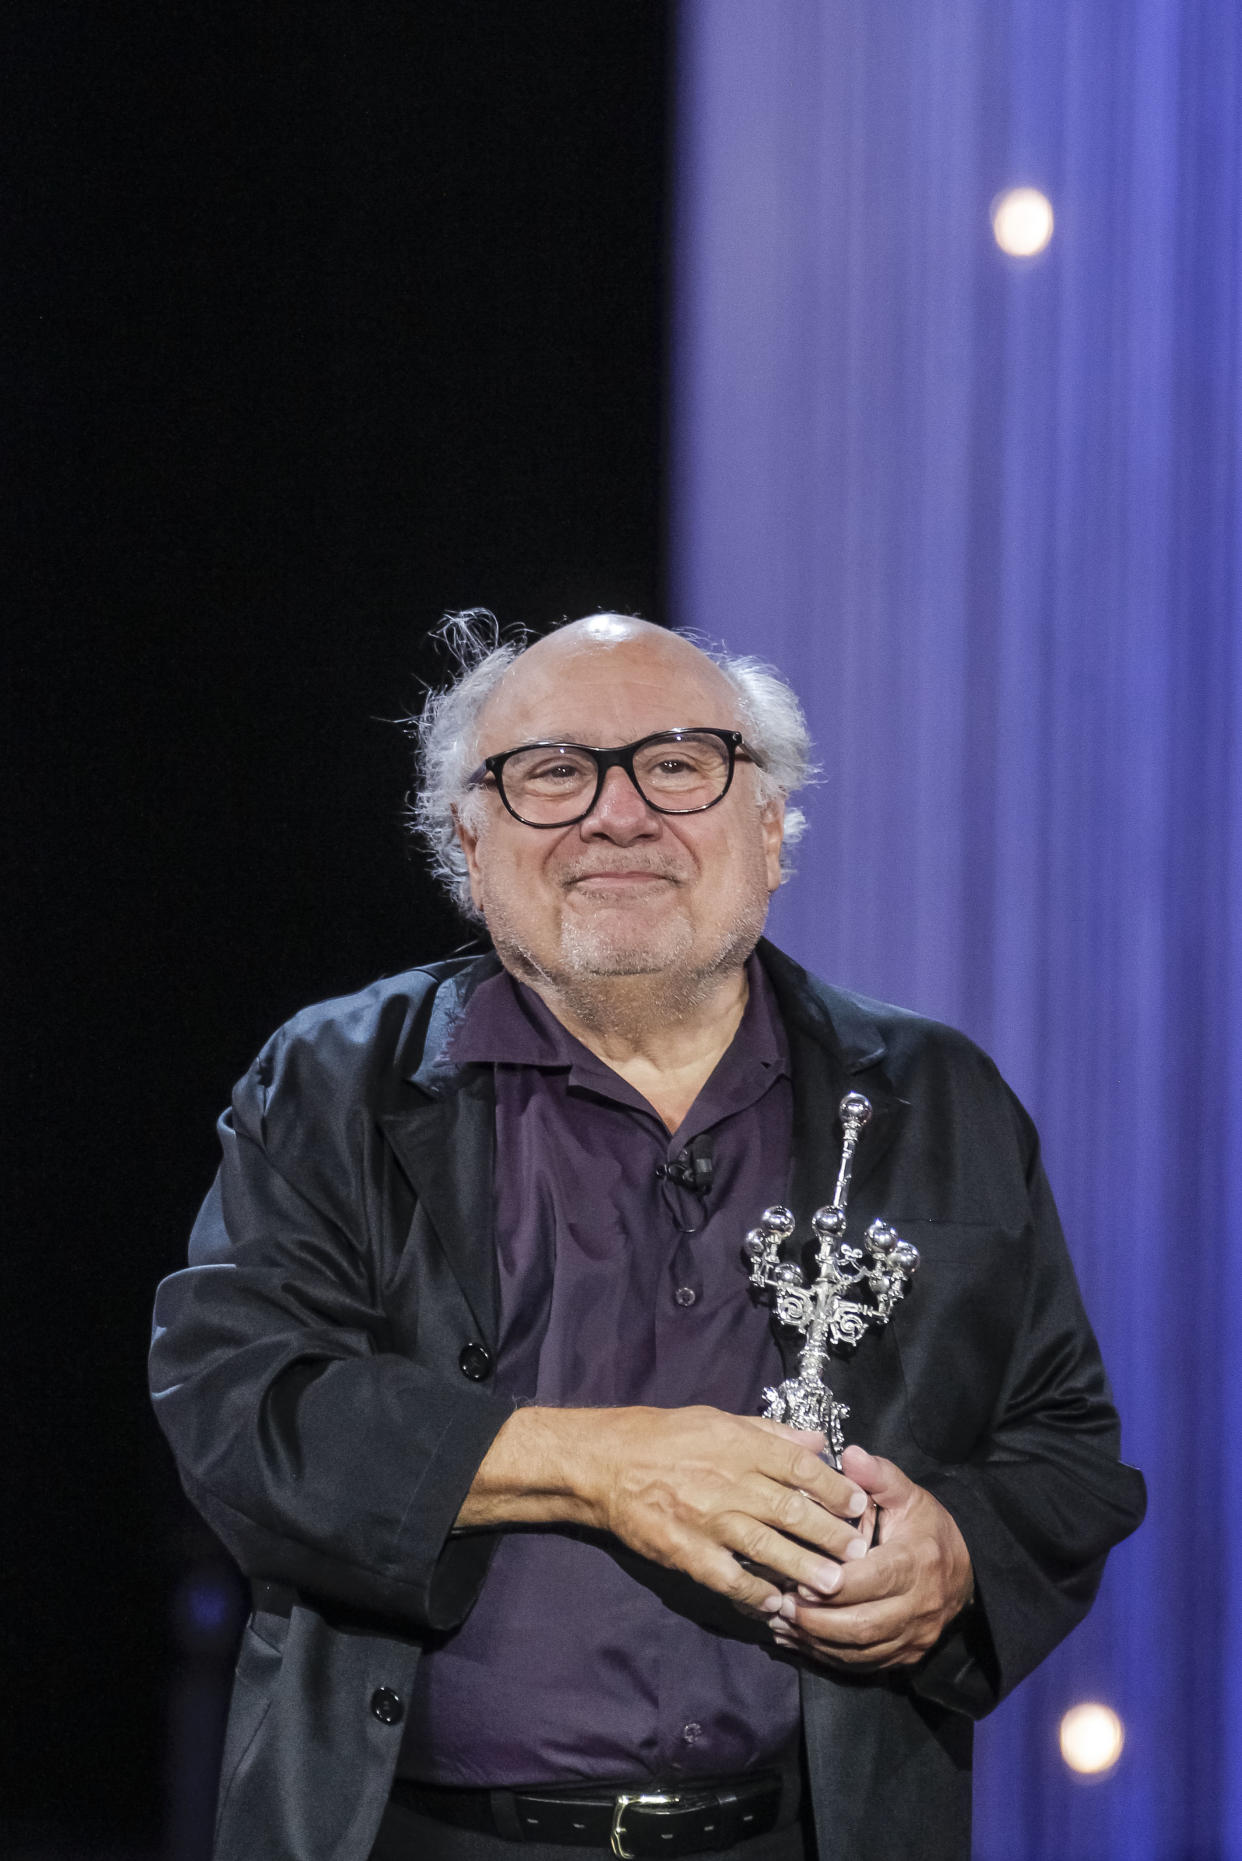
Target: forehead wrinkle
664,662
569,739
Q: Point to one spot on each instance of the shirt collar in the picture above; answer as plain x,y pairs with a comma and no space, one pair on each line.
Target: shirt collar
505,1023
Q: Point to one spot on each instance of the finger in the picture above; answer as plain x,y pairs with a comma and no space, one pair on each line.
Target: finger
792,1511
793,1640
861,1630
793,1463
754,1594
897,1651
884,1571
851,1556
880,1655
787,1560
883,1480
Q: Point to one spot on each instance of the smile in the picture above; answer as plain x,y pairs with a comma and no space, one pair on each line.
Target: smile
619,881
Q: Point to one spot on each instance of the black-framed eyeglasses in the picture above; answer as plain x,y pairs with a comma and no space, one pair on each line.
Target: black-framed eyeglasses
557,784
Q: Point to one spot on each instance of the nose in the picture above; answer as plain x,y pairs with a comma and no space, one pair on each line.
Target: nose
620,813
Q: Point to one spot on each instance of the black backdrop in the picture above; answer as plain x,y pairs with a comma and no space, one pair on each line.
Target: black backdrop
316,323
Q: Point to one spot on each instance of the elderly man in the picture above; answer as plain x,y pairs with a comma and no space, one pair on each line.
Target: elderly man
467,1370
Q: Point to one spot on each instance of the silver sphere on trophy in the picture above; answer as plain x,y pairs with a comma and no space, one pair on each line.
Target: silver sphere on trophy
824,1311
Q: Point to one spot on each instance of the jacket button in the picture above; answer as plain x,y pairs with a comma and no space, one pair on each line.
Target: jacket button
475,1362
387,1707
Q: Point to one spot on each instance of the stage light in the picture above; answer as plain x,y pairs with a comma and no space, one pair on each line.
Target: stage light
1091,1738
1022,221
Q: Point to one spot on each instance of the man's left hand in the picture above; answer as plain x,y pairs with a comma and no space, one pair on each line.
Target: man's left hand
889,1607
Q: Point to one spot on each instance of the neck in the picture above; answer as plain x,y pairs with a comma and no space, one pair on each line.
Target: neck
664,1034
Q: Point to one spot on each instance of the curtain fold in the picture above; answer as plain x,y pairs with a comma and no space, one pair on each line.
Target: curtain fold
986,513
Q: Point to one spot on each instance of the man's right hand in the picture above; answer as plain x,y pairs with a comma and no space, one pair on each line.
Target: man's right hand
694,1489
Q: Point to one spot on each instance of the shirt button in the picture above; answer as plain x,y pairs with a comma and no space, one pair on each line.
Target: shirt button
684,1295
386,1706
475,1362
692,1732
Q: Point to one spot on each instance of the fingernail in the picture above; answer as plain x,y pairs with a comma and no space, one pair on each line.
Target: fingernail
789,1607
772,1603
828,1579
857,1502
856,1548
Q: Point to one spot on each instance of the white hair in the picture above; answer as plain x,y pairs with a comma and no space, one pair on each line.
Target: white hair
445,738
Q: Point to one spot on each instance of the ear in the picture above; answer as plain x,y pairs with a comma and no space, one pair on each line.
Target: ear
773,822
468,841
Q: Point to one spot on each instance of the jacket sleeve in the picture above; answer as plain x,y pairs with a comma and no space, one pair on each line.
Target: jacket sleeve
320,1455
1044,1496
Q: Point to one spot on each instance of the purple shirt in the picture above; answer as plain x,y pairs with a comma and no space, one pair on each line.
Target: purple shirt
617,1285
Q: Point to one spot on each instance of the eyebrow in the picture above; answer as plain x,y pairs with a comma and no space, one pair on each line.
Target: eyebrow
583,742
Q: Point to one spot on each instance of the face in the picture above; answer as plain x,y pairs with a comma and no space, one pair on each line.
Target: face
626,891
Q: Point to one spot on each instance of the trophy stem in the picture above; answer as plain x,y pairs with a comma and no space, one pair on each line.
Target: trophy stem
855,1112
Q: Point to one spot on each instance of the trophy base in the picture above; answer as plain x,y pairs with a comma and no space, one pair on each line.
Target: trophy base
811,1408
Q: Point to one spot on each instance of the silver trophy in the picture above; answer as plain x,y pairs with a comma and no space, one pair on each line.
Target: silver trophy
823,1312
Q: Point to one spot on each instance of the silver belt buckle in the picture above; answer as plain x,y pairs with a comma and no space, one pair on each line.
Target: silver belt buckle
617,1839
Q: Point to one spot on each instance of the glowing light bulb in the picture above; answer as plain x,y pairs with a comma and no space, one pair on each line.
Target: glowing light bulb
1092,1737
1022,221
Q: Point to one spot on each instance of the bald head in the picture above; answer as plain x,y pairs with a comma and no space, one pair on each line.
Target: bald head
603,630
603,667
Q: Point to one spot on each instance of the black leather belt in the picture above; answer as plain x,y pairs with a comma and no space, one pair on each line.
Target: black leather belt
709,1813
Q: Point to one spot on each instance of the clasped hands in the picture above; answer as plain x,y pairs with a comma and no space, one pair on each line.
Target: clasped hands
889,1604
746,1507
838,1596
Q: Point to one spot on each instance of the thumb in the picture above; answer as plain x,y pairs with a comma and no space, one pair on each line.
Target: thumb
886,1483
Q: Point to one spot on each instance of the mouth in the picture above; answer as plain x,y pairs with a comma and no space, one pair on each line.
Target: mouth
617,881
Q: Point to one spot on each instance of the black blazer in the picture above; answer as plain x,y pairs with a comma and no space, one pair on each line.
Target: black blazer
306,1368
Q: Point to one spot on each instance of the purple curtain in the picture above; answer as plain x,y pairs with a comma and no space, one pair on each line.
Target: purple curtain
985,511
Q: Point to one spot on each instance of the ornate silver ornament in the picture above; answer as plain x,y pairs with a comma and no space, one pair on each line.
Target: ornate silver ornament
823,1312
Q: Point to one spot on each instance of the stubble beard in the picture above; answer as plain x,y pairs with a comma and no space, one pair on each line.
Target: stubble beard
620,979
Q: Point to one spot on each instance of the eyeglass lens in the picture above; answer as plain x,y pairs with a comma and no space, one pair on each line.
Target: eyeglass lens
679,774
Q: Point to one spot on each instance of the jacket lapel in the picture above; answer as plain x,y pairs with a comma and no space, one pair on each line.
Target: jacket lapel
443,1135
835,1047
